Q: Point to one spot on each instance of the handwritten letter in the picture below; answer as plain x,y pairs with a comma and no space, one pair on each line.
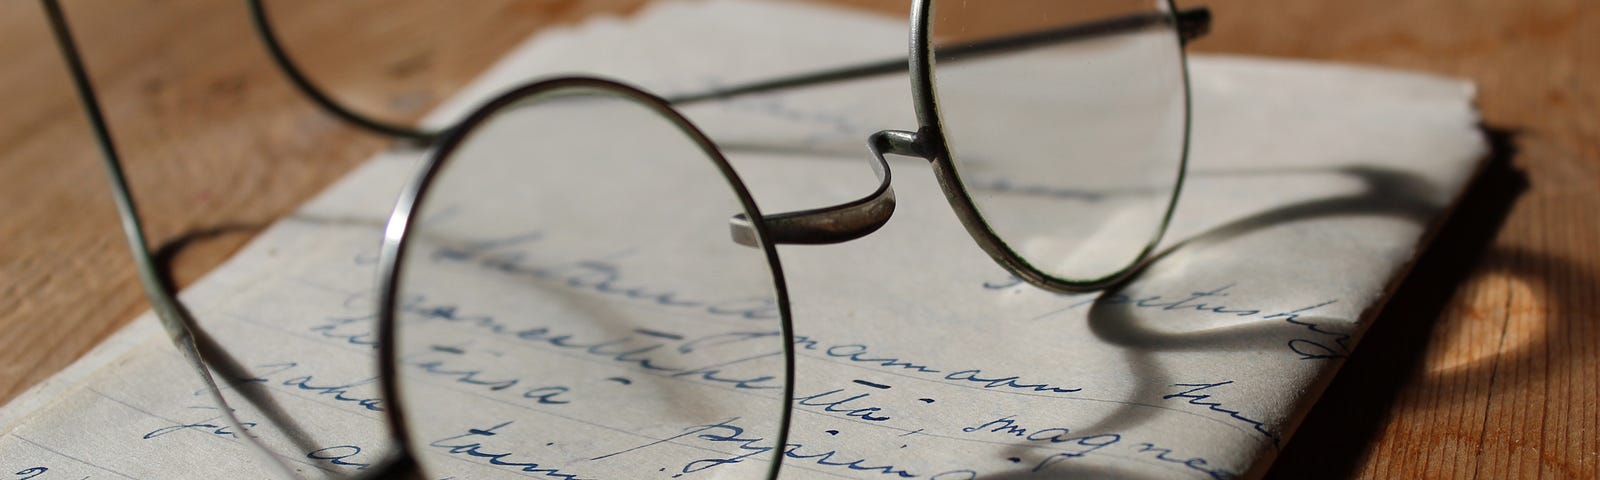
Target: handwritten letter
642,343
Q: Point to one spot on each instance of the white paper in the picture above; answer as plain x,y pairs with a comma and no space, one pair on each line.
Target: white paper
1311,189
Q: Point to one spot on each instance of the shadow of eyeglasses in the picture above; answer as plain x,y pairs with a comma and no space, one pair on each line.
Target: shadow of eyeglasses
1115,318
1332,441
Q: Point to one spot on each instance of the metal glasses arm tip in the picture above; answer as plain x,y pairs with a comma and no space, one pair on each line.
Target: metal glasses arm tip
837,223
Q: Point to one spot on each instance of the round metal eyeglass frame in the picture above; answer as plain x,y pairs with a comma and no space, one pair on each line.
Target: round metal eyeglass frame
858,218
396,240
830,224
931,143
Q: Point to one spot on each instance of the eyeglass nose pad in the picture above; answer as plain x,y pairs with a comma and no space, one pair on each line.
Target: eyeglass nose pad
837,223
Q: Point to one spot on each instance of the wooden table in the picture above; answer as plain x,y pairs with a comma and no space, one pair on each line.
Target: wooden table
1486,363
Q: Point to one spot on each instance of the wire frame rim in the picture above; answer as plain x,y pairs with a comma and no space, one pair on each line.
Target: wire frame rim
391,261
931,130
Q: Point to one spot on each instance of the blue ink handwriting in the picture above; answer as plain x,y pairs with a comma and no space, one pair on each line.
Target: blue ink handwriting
339,455
730,433
1326,343
471,445
1196,398
308,383
1007,425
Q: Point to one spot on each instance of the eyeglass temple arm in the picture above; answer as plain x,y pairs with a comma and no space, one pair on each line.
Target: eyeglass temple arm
1192,23
162,299
843,222
263,28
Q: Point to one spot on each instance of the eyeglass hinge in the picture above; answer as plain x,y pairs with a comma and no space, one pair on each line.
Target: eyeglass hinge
900,142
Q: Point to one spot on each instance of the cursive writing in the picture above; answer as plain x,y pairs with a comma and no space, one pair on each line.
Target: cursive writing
471,445
728,433
1324,342
338,391
340,455
654,350
439,366
1194,396
1080,445
601,276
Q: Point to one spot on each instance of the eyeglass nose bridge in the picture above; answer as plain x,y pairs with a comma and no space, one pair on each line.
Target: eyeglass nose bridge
846,221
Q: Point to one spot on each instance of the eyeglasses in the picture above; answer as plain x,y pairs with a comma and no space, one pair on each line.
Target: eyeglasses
649,307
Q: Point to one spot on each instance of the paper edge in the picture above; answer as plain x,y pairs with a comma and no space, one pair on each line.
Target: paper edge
1402,272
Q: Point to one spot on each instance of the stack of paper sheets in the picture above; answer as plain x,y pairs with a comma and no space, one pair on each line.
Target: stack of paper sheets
1311,189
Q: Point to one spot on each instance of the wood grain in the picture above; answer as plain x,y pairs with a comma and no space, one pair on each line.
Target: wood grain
1485,364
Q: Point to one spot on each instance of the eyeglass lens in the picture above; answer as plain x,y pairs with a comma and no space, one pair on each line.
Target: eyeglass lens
1070,150
571,267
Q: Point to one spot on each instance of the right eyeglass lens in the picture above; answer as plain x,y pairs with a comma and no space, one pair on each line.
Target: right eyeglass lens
1066,122
571,297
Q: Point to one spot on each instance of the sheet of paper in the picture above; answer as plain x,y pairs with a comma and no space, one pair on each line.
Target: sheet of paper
1311,189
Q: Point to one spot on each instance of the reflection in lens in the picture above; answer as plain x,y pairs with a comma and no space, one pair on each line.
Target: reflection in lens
571,298
1071,147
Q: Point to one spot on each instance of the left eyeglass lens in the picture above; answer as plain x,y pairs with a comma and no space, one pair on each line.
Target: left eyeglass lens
571,297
